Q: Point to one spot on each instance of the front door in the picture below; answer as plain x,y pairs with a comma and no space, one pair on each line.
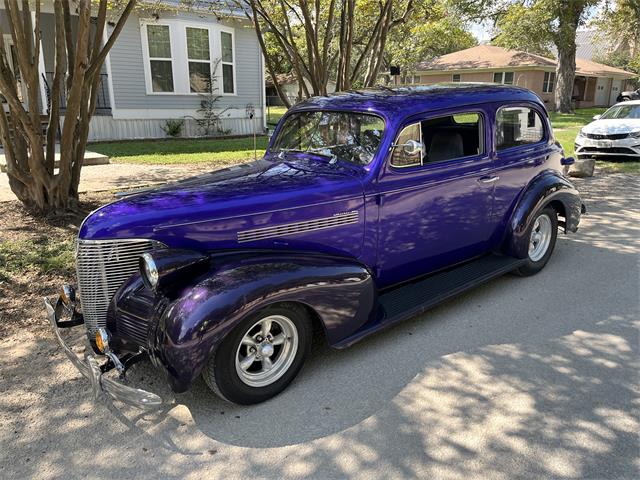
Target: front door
601,92
435,202
616,85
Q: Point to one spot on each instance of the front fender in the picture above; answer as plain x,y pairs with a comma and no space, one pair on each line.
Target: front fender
340,291
549,187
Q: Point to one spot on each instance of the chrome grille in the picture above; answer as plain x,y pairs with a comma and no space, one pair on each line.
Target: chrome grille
133,327
102,266
298,227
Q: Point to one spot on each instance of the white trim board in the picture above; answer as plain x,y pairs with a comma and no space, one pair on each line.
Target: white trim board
166,113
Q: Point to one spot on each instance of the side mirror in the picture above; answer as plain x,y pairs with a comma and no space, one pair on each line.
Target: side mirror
412,147
597,117
567,161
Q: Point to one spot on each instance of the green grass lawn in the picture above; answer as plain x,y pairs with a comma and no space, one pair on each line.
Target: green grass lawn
222,151
274,114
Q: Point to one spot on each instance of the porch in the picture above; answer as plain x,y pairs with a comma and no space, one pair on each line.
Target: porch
46,66
90,158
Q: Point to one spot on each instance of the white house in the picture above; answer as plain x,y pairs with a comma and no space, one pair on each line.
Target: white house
157,67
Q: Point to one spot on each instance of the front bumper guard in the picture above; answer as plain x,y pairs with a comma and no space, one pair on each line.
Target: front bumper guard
101,384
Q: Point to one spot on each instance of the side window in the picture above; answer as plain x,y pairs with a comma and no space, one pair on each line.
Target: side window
518,126
452,137
441,138
402,155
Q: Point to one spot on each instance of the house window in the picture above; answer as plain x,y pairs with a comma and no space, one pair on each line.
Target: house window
549,82
199,59
226,42
505,78
455,77
188,58
160,58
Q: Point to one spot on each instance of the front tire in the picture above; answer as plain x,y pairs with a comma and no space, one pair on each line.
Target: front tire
542,236
261,356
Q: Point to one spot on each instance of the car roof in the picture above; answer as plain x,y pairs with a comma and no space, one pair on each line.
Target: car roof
628,102
389,102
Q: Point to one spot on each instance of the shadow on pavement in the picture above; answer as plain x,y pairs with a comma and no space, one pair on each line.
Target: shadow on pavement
522,378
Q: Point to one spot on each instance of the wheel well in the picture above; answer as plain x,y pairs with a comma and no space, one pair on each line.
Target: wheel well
558,206
316,321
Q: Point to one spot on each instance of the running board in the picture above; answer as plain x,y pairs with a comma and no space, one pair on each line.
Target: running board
415,298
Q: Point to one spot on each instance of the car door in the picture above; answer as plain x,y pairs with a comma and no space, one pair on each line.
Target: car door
522,145
434,207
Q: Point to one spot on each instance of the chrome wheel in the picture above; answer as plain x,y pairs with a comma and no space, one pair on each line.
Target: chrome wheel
266,351
540,237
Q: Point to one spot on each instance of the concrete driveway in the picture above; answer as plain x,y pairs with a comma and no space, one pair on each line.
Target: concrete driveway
119,176
522,378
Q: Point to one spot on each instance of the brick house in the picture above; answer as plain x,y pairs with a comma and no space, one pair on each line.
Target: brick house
595,84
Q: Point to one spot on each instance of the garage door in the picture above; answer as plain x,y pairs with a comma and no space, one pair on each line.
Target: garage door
601,99
615,91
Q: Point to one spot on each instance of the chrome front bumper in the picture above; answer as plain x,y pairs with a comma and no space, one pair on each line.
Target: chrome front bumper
101,384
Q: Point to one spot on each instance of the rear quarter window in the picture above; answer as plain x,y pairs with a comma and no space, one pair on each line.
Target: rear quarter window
516,126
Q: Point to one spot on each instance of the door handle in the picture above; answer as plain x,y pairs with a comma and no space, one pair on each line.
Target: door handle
489,179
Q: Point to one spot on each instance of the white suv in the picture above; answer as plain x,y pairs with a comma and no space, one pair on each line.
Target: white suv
615,133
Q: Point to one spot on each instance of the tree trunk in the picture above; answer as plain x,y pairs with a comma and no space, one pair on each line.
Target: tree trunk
569,14
78,59
565,75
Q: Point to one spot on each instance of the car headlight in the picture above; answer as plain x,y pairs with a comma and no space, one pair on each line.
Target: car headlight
149,270
163,268
635,134
580,134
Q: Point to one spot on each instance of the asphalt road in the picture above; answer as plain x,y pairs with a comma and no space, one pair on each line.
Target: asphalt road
521,378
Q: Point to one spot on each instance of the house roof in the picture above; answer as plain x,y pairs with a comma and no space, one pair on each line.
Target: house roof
587,47
282,78
492,57
213,7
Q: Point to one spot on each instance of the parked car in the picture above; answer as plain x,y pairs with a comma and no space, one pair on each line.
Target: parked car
615,133
368,208
628,95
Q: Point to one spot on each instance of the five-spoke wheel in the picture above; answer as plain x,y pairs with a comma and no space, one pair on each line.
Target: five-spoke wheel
261,356
542,235
267,350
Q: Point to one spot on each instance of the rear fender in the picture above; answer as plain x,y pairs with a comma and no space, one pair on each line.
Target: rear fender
339,291
547,188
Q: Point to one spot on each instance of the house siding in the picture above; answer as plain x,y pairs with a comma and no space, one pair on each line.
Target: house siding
127,68
531,79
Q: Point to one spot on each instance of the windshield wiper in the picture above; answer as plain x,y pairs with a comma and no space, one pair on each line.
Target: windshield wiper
282,151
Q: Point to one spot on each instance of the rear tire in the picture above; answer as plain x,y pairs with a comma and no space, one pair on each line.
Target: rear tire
542,235
261,356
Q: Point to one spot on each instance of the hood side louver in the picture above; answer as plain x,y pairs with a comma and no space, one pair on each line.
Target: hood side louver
288,229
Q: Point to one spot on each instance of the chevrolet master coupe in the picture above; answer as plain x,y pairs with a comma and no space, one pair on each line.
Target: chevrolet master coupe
369,207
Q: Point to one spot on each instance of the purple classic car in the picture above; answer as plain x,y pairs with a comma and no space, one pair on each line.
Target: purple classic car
369,207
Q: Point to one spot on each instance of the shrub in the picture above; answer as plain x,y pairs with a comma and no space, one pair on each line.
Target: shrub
173,128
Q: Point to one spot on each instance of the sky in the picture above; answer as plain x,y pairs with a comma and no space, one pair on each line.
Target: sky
481,31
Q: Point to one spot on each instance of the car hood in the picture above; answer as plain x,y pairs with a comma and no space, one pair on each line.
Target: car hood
267,185
613,126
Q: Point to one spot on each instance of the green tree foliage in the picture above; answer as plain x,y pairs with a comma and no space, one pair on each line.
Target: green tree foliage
528,29
429,32
534,24
618,27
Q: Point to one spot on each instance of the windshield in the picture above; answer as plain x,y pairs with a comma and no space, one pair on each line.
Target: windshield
622,111
348,136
